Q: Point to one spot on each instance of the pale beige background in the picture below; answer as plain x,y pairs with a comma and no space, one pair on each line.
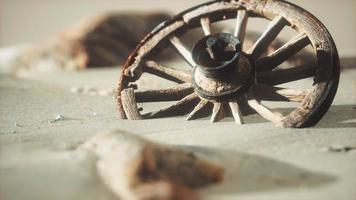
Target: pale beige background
23,21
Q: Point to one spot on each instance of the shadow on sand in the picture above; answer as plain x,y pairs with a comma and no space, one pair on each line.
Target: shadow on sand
246,173
338,116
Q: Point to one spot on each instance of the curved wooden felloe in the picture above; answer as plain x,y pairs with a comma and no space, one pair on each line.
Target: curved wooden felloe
314,102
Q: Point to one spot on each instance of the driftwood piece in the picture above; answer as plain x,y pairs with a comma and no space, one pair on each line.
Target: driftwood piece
99,41
134,168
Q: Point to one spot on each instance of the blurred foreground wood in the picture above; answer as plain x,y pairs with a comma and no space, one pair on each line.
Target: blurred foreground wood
104,40
138,169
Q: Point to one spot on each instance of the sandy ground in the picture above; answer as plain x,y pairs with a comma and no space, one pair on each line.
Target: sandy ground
38,161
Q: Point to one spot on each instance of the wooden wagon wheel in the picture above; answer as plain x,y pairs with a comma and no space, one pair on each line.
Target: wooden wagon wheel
220,75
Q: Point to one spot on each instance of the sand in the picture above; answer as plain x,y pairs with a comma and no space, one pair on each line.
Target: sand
38,161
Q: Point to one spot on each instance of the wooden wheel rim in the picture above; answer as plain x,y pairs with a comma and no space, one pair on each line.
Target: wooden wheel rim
326,78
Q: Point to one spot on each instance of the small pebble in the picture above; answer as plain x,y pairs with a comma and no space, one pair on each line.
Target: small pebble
18,125
103,93
89,90
76,90
58,118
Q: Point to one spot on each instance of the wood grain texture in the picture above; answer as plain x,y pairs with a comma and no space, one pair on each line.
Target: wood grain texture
241,25
218,112
283,53
202,104
267,37
129,104
236,112
182,50
205,23
179,76
179,108
169,94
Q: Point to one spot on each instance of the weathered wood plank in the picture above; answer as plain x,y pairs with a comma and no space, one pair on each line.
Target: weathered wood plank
175,75
205,23
236,112
202,104
282,54
218,112
263,111
241,25
274,28
179,108
183,51
129,104
169,94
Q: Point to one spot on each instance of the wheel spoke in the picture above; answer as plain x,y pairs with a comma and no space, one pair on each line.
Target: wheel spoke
169,94
183,51
202,104
218,112
286,75
205,23
129,104
282,54
263,111
179,108
270,93
236,112
241,24
171,74
274,28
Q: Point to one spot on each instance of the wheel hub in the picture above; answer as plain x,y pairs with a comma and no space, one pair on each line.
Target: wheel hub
223,71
